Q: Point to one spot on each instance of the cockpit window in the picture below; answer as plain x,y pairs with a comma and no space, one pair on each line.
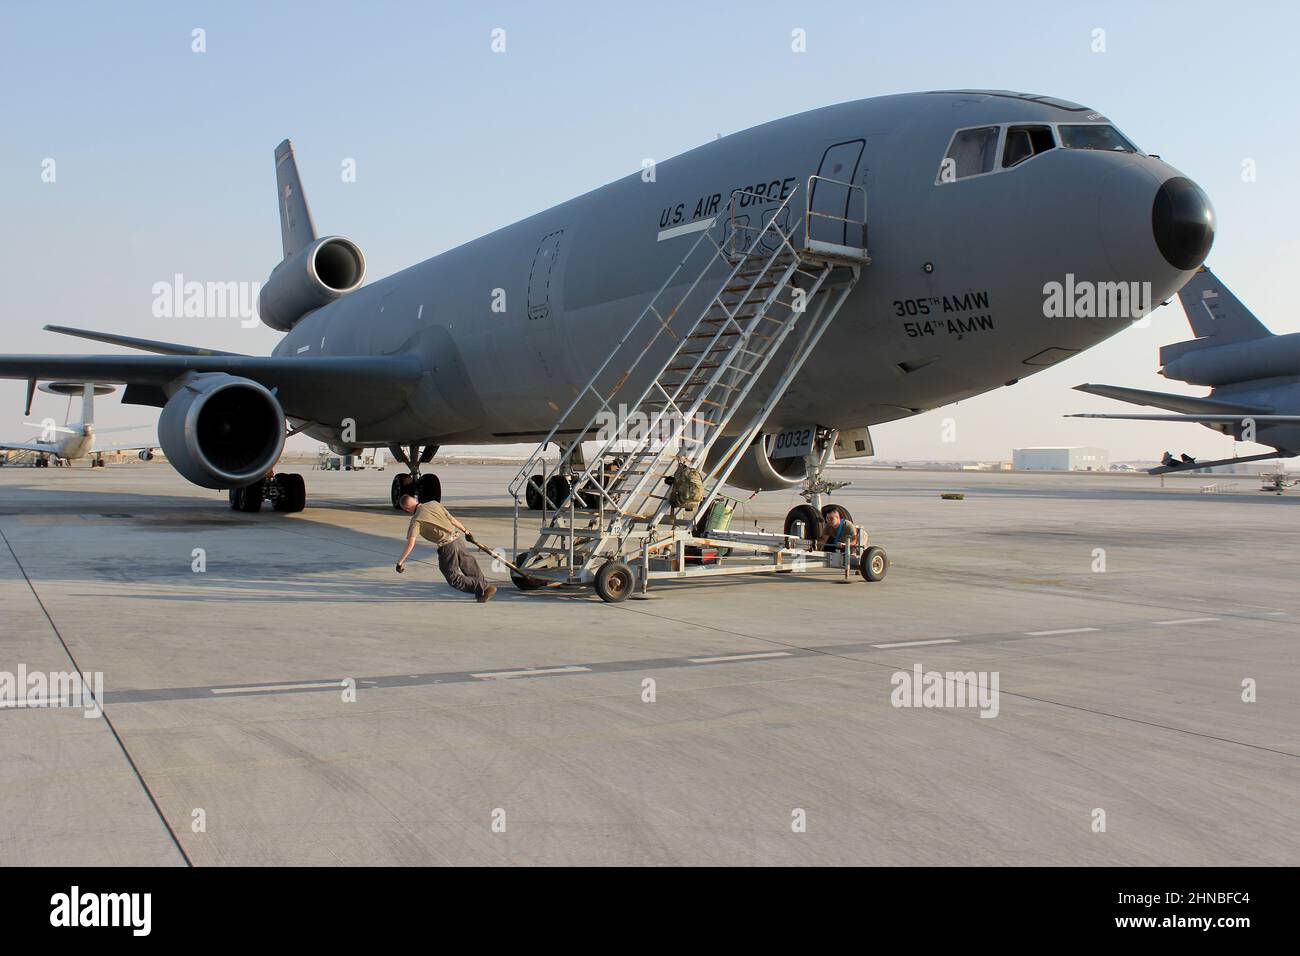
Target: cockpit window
973,151
1094,136
1024,142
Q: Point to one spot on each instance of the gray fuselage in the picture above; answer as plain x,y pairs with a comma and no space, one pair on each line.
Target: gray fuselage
952,304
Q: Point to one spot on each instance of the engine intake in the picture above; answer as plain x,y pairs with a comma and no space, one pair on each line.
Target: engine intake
222,432
757,470
327,269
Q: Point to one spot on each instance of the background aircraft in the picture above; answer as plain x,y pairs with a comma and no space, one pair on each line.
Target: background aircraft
75,440
1254,377
974,200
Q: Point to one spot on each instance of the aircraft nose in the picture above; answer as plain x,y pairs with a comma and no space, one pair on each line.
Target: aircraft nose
1182,220
1156,224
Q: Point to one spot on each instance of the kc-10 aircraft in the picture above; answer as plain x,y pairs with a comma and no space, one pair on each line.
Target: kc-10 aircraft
975,203
1254,377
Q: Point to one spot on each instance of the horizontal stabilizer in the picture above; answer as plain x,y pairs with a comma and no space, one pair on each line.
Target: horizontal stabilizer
1194,465
45,426
131,342
1174,403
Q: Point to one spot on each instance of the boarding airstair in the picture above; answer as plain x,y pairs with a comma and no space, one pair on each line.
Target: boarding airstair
742,298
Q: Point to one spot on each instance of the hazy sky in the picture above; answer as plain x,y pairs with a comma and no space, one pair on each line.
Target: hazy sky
163,156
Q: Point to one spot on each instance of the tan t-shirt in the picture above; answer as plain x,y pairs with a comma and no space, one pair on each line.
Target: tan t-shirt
433,522
847,530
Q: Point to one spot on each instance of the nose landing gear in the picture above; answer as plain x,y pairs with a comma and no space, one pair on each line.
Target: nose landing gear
811,521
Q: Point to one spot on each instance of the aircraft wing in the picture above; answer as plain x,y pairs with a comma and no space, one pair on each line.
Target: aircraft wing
302,384
131,342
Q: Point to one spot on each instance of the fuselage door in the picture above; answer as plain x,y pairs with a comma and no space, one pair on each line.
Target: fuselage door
839,165
545,265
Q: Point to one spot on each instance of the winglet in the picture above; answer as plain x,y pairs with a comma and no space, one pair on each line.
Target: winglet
296,227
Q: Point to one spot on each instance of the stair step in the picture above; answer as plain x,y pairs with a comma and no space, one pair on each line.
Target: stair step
692,368
695,383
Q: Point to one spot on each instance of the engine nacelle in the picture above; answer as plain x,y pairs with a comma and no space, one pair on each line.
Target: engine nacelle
145,454
315,276
1272,357
757,470
222,432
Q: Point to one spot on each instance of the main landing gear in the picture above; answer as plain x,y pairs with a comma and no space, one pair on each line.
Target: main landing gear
423,487
550,493
286,492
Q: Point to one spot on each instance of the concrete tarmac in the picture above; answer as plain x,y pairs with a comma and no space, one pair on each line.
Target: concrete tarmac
744,720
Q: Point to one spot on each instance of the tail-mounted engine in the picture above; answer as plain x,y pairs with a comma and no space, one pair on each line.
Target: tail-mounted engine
316,275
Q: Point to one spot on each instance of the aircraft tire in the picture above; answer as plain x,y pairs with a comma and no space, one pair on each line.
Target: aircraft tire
249,498
813,523
845,515
875,564
533,493
614,582
430,488
588,497
402,485
291,493
521,582
557,489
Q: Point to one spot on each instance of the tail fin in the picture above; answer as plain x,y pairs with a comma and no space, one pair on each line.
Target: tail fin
1212,310
296,227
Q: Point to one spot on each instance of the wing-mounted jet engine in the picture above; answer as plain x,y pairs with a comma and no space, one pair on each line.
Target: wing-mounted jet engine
220,431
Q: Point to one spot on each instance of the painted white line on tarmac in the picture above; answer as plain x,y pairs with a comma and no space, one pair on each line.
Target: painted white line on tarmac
273,687
536,672
737,657
1064,630
886,647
